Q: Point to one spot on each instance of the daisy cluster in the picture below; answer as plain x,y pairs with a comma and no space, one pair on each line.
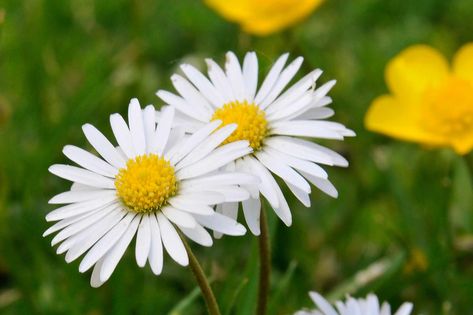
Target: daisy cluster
222,140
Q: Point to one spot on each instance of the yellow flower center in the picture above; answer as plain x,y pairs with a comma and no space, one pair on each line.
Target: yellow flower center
449,108
146,183
251,121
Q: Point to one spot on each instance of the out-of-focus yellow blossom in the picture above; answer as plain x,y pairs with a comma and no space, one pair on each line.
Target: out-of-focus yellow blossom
263,17
430,102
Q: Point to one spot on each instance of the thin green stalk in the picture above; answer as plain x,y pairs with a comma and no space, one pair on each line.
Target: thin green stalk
265,264
202,281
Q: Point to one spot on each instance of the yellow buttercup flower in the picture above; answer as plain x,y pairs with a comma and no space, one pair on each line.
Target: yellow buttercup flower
430,102
264,17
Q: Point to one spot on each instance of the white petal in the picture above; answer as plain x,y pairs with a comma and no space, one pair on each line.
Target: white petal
308,128
163,130
318,113
122,134
182,106
235,76
220,80
178,217
89,161
76,227
322,304
80,175
137,130
198,234
405,309
282,81
149,125
277,166
298,164
111,259
219,179
250,75
66,222
103,146
105,243
95,281
171,241
191,95
207,146
193,141
80,207
216,159
155,257
143,241
300,194
283,211
201,198
93,235
185,205
299,148
294,92
323,184
271,78
81,195
301,104
267,182
252,210
203,84
220,223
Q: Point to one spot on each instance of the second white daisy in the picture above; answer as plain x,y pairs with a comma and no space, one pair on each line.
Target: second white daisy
153,184
272,118
367,306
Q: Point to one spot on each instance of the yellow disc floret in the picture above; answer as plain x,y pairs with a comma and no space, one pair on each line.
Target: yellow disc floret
146,183
251,121
449,108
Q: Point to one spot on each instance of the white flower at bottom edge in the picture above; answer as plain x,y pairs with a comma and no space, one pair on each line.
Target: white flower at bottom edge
154,182
273,119
368,306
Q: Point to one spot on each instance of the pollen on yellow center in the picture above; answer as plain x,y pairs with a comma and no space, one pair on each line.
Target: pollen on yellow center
251,121
449,108
146,183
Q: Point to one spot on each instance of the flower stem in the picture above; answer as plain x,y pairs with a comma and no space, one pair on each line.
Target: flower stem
202,281
265,263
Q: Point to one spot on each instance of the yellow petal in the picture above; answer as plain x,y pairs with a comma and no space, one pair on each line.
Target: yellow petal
464,145
264,16
463,62
400,120
413,70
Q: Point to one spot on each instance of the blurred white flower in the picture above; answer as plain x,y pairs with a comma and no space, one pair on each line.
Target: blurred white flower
272,118
154,183
368,306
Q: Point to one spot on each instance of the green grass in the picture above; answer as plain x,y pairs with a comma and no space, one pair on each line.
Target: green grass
407,208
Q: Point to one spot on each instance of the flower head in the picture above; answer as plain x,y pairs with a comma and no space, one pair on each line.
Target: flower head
265,16
368,306
430,102
155,183
272,119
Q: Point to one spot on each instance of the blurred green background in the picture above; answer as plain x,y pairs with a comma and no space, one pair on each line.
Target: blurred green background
402,226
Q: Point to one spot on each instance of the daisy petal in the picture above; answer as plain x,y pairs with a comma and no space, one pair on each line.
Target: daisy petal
89,161
111,259
103,146
198,234
137,130
221,223
143,241
251,210
171,241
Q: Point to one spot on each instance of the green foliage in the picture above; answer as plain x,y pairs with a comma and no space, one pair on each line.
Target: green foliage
65,63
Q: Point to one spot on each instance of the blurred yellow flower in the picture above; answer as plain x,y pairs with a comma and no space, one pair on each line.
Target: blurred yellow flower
430,102
263,17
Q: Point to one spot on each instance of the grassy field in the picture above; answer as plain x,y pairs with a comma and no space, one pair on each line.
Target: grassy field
404,210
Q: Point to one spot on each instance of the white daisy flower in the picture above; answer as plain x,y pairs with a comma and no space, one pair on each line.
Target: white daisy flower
153,184
272,118
368,306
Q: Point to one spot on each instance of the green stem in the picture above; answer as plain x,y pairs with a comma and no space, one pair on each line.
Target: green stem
265,264
202,281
